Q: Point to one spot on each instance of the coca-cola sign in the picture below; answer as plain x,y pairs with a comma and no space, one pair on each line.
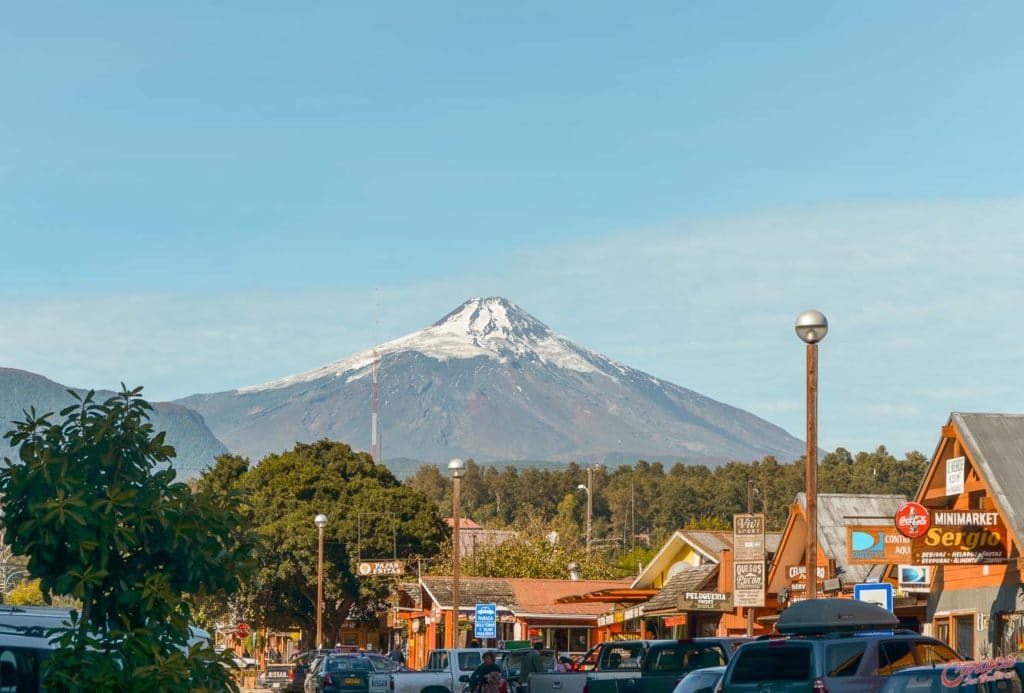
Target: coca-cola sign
913,520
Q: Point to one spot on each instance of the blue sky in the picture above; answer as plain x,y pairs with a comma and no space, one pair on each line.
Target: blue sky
197,197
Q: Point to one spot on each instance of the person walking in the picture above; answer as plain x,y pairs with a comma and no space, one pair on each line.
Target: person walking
532,662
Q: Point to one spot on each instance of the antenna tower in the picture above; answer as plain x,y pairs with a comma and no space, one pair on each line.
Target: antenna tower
374,436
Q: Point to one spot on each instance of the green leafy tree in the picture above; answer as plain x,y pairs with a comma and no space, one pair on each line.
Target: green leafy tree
371,515
93,503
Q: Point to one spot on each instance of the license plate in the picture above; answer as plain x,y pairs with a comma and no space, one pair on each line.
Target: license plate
277,674
355,680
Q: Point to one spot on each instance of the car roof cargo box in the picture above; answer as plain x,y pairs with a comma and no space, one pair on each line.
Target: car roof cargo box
817,616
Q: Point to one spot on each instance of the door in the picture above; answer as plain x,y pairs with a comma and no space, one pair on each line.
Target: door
965,635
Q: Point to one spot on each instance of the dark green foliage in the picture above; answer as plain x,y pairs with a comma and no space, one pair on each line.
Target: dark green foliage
93,503
282,495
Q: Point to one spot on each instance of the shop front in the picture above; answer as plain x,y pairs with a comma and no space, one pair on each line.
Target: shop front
964,529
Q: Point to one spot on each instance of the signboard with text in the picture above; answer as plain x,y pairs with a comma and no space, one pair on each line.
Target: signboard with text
876,544
485,621
955,476
914,578
378,568
705,601
748,584
748,537
957,537
877,593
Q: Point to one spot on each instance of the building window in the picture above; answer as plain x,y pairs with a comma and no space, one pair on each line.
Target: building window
575,641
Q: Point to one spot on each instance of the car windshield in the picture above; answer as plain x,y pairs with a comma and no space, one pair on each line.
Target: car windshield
346,664
382,663
468,661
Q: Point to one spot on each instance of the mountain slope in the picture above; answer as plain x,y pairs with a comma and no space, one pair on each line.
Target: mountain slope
492,382
186,432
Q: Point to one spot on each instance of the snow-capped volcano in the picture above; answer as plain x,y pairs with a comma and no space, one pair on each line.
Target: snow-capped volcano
491,327
492,382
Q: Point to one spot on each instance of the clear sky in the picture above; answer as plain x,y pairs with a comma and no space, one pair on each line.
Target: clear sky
201,196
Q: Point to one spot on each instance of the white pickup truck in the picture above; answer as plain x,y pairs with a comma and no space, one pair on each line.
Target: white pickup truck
446,671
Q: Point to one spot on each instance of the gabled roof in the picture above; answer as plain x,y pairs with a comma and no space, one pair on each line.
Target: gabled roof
686,580
708,543
995,444
835,512
472,591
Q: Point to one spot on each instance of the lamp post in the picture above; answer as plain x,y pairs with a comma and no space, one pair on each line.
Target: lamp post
811,327
320,521
590,504
456,468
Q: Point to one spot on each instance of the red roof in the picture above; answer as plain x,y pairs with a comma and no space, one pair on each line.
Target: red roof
537,596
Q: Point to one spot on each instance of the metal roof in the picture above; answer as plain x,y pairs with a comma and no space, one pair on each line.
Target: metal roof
686,580
838,510
995,443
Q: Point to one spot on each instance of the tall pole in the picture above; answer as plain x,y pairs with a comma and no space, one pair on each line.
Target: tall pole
590,506
812,470
750,510
450,637
320,585
811,327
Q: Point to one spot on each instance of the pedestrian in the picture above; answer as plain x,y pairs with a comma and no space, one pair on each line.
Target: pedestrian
532,662
396,655
486,678
564,664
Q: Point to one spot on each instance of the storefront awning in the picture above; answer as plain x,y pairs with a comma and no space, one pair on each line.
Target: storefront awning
609,596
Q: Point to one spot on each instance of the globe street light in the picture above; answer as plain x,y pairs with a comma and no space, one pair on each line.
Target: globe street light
320,521
811,327
456,468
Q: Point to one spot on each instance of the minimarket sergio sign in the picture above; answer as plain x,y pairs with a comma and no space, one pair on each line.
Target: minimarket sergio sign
953,537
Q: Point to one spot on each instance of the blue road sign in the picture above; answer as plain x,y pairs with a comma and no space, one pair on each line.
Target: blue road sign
485,621
878,593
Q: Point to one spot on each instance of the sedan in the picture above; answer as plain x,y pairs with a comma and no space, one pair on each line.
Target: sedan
345,673
700,680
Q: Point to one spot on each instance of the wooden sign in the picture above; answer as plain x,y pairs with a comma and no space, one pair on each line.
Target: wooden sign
705,601
748,537
380,568
877,545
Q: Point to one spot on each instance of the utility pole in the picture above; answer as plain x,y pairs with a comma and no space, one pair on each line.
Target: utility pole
750,511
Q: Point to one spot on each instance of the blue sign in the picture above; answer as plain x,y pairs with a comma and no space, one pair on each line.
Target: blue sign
877,593
485,621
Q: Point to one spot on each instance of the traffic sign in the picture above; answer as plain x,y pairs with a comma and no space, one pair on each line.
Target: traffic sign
485,620
878,593
242,630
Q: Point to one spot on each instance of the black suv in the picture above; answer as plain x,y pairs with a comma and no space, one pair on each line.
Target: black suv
830,646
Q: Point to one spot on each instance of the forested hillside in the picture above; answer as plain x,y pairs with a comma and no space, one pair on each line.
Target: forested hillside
646,502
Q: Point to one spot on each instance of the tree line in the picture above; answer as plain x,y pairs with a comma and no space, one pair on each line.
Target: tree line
644,503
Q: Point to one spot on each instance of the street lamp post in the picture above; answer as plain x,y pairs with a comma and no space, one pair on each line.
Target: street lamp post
590,506
320,521
811,327
456,468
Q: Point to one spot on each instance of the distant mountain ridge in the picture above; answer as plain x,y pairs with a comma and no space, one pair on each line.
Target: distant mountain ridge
492,382
195,444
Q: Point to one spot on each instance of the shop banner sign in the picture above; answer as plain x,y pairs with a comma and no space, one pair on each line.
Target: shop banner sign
379,568
955,476
748,584
915,578
954,537
748,537
670,621
874,545
705,601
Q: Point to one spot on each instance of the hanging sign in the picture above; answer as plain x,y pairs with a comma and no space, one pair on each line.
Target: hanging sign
705,601
874,545
380,568
748,537
912,520
955,476
748,584
485,621
915,578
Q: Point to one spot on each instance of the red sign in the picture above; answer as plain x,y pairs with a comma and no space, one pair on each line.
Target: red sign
674,621
242,630
913,520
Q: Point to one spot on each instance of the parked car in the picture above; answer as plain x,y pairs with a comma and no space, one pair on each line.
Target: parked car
665,662
447,671
951,678
700,680
291,678
511,661
838,645
340,673
606,660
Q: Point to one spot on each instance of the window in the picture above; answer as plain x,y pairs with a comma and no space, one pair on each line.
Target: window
19,670
965,635
468,661
843,659
894,655
786,662
933,653
684,657
622,656
438,661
